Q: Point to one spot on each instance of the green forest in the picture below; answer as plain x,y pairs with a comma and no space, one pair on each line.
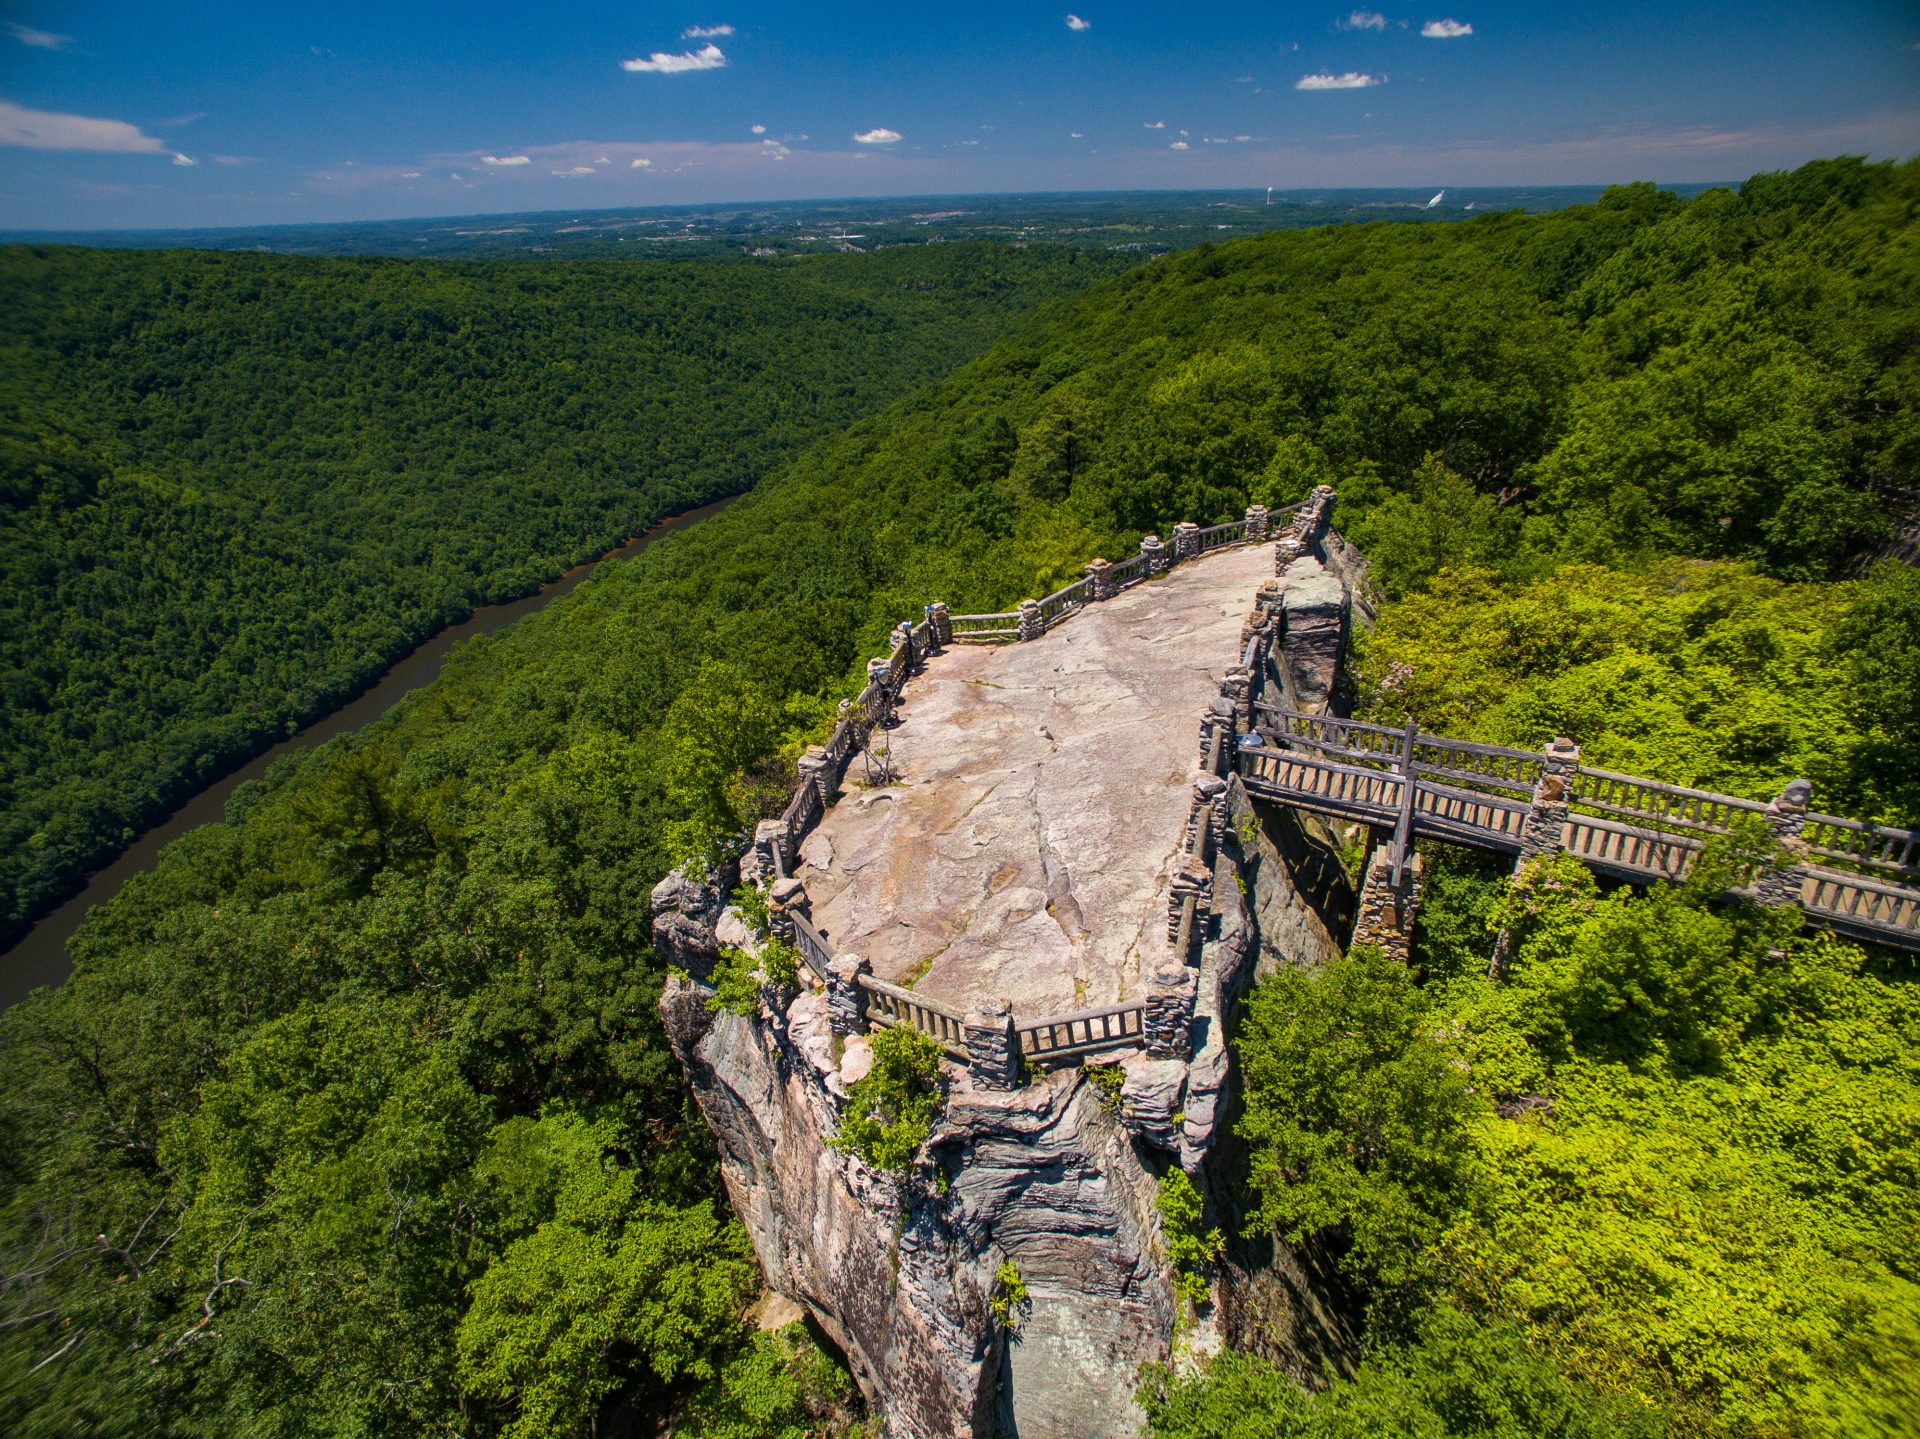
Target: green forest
235,488
356,1117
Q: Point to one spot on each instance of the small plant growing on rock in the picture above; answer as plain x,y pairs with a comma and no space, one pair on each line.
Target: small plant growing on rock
1246,829
1107,1081
1191,1250
891,1108
1010,1301
741,979
750,903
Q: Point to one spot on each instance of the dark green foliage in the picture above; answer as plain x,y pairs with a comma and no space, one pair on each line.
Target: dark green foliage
1358,1124
890,1110
1191,1250
234,488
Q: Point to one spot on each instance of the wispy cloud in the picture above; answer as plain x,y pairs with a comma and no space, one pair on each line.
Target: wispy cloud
38,39
575,173
707,57
880,136
1077,135
236,159
185,162
26,129
1351,80
1178,145
1445,29
643,163
1364,20
759,129
1153,124
705,32
1074,22
506,160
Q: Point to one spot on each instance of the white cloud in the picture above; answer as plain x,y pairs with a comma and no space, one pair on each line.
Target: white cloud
1074,22
1445,29
1351,80
1178,145
705,32
1364,20
38,39
641,164
604,160
1153,124
46,130
759,129
185,162
707,57
506,160
1077,135
881,136
404,174
576,170
1242,139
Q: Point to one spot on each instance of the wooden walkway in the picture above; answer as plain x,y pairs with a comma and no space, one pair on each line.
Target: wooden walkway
1860,880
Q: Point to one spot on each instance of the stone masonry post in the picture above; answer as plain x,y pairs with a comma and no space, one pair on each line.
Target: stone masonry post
1167,1024
1387,910
1156,554
820,772
1288,548
1099,580
770,846
1186,541
787,898
902,635
846,1000
1032,626
1256,522
942,619
1193,877
993,1049
1544,831
1781,882
876,669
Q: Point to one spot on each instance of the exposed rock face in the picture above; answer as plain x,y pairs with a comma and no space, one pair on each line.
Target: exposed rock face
898,1274
1315,600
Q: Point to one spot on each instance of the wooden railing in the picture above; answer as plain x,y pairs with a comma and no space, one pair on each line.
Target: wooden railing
889,1004
1086,1031
985,629
1865,880
812,946
1216,536
1063,602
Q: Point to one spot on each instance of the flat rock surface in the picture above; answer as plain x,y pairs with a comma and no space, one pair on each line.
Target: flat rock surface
1025,847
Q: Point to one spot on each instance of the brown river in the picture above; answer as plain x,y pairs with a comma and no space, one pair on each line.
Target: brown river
40,955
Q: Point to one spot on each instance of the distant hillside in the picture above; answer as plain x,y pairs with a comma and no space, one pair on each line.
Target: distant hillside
234,487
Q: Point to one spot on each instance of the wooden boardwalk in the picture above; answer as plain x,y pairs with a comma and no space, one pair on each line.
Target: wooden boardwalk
1858,879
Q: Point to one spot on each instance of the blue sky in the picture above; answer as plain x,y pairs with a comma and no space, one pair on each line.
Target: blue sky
222,114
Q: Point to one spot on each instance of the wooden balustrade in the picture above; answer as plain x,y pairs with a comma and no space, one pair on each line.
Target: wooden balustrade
889,1005
1084,1032
812,946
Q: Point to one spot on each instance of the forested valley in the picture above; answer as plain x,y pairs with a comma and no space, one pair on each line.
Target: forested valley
356,1117
234,488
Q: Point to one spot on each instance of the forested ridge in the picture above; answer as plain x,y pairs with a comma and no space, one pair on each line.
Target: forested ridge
356,1117
234,488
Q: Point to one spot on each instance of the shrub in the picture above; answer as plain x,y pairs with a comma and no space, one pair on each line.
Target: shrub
891,1108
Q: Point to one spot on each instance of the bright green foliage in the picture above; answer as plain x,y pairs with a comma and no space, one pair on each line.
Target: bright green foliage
890,1109
781,1386
1357,1123
1009,1301
740,979
1455,1378
1191,1250
1107,1081
1701,674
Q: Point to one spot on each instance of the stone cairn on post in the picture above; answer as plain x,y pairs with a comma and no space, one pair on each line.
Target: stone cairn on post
846,998
1167,1024
941,621
1032,625
1099,580
1156,553
993,1048
1781,882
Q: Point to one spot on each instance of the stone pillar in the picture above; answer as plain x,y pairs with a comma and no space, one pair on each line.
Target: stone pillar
1256,522
1386,911
1186,541
1099,580
787,898
1288,548
1544,831
942,624
876,669
1318,515
993,1049
846,1000
1156,554
1208,790
1216,738
1031,625
1193,877
820,772
902,635
1236,688
770,845
1167,1024
1781,882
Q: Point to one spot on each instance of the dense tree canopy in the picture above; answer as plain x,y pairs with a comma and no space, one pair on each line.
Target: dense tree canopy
376,1064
